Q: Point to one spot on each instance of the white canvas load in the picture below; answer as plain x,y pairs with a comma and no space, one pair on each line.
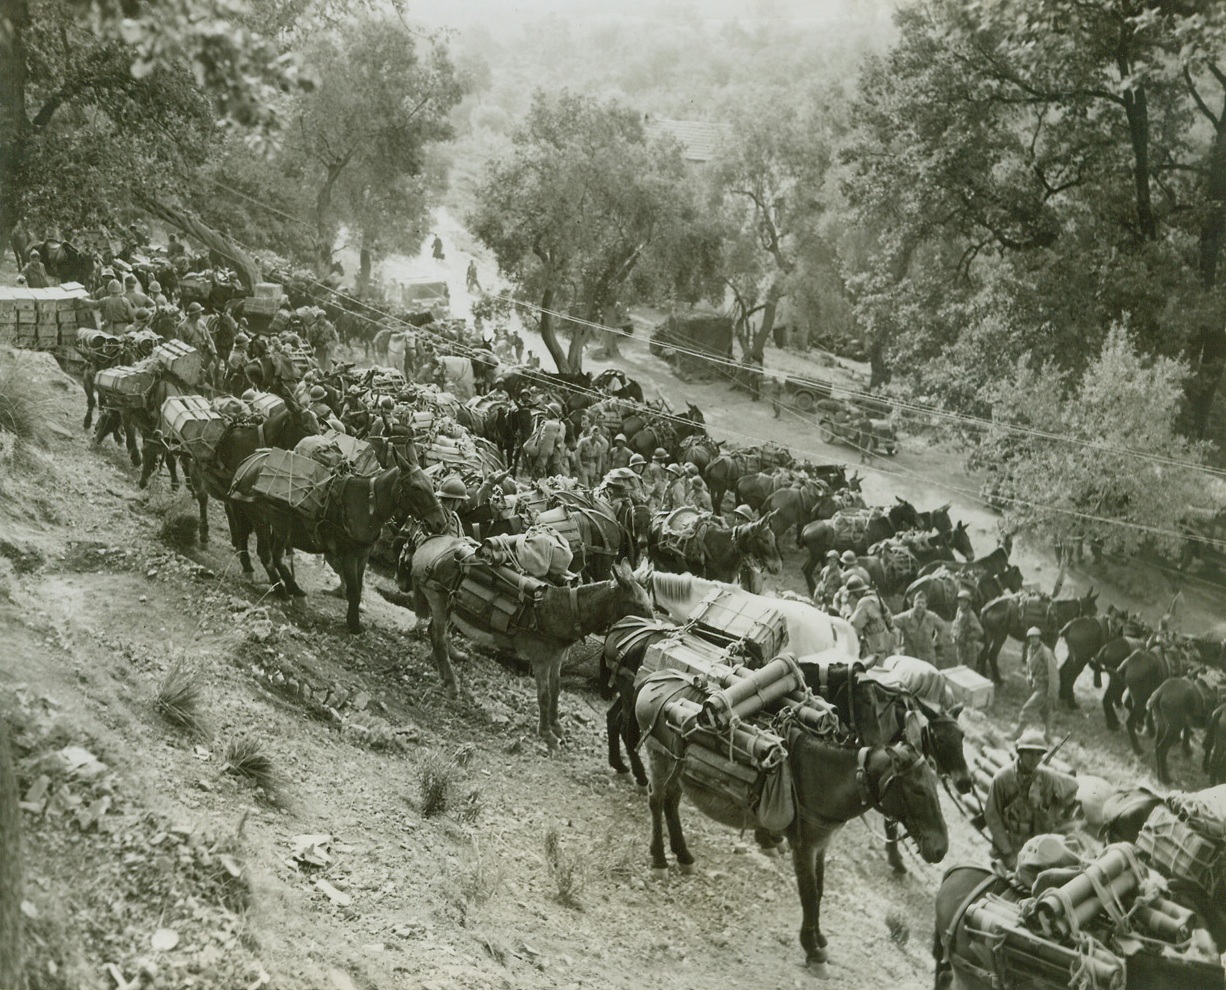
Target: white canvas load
181,360
193,422
294,480
340,453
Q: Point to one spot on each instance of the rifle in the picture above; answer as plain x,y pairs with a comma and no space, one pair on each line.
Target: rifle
1047,758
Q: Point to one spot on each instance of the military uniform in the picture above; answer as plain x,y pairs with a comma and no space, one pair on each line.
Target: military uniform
1044,678
1021,806
619,456
967,635
921,631
699,496
828,584
873,622
655,478
675,492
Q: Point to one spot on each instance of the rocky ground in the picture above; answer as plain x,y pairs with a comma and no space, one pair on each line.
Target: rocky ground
335,822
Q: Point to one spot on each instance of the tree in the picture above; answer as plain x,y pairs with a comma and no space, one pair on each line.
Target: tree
357,144
1051,147
1106,485
585,209
770,176
96,99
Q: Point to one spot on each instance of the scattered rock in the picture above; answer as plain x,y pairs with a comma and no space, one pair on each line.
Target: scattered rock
164,939
337,897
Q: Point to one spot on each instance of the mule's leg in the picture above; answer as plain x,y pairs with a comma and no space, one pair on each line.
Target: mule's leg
152,458
613,730
90,400
1162,744
809,864
263,549
808,568
672,815
202,501
891,847
438,643
1115,688
173,468
354,569
555,694
129,430
1187,740
1134,720
658,783
277,543
540,670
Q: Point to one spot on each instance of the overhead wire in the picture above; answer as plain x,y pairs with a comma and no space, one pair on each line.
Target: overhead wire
897,471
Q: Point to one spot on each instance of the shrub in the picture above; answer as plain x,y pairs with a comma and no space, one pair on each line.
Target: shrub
567,870
246,757
178,698
180,529
22,410
437,777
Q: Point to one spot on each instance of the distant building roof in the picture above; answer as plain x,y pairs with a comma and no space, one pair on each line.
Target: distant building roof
700,140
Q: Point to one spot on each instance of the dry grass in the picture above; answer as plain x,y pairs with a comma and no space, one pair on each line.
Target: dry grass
246,757
179,698
22,409
899,929
180,530
436,783
568,870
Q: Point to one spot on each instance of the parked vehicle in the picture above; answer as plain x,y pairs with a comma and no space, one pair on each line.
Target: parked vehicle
838,421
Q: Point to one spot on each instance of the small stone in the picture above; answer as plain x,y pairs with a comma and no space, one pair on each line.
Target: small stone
143,598
151,573
361,701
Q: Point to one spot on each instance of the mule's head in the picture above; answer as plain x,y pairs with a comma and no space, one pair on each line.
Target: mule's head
1011,578
905,788
942,743
903,515
960,541
632,598
1089,602
761,543
416,494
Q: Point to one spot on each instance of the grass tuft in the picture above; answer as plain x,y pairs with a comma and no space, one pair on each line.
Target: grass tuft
22,410
436,782
179,698
180,530
899,929
246,757
567,870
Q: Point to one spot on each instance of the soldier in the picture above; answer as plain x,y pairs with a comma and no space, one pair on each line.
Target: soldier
638,464
156,294
550,436
967,631
322,336
742,514
34,273
851,565
1044,678
236,364
619,453
587,451
699,496
132,291
870,618
1026,799
318,404
675,488
453,496
921,630
194,333
655,477
117,312
829,581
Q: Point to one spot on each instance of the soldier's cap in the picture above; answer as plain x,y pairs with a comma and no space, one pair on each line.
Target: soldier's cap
621,474
155,286
660,455
1033,631
965,596
675,469
34,254
621,437
1031,739
195,307
318,392
920,596
142,313
692,470
849,557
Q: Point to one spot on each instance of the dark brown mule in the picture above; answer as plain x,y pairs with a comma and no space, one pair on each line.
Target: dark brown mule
212,477
1214,763
884,716
1084,637
1179,705
609,533
10,867
793,506
355,513
995,563
833,784
555,622
722,552
1140,674
827,534
1011,615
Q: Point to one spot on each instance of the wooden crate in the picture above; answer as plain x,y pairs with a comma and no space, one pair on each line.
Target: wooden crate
193,422
125,386
970,688
727,616
268,405
181,360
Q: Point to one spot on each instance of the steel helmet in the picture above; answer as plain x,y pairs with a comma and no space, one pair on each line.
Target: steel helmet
113,287
675,469
849,557
387,402
660,455
129,279
618,475
107,272
692,470
249,395
636,459
453,487
856,583
242,340
621,437
318,392
34,254
142,313
194,307
965,596
745,512
832,555
554,408
155,285
1033,631
1031,739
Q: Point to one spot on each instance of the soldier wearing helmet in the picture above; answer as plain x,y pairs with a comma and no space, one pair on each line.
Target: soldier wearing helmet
742,514
156,294
871,619
236,364
655,477
136,295
829,582
547,446
592,450
697,494
1043,676
118,313
966,630
676,490
1027,798
34,273
637,463
193,332
453,496
620,453
851,565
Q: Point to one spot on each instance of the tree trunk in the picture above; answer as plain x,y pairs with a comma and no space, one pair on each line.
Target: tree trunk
1136,108
14,123
549,335
758,351
325,234
248,270
10,868
364,268
880,373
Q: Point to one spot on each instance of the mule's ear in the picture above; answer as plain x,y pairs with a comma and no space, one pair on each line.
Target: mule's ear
622,573
900,500
956,710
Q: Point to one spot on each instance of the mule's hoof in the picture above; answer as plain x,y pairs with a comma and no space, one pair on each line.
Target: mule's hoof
898,866
685,869
817,968
337,592
297,592
658,870
353,628
642,788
